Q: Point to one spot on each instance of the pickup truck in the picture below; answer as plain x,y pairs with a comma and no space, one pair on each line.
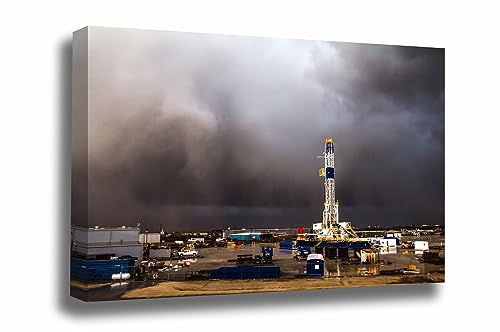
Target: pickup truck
188,253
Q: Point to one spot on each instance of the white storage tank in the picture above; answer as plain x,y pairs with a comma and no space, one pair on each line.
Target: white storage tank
120,276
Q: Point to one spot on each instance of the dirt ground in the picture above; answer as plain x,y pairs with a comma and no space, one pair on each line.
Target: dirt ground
84,285
218,287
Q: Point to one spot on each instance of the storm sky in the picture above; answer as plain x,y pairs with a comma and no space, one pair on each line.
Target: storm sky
199,131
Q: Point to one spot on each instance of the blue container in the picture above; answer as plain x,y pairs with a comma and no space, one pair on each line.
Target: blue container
92,270
315,265
306,243
246,272
288,245
267,251
245,237
330,173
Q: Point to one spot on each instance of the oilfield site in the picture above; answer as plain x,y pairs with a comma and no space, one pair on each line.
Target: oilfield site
112,263
230,267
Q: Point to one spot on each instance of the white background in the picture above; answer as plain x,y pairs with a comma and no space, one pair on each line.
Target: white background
34,133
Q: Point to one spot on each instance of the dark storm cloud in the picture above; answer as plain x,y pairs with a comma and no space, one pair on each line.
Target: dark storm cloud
204,131
394,100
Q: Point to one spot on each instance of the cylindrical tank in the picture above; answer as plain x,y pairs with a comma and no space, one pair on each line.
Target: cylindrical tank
120,276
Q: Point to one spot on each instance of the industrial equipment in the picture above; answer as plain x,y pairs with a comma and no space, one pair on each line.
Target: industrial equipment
267,254
246,259
249,259
301,253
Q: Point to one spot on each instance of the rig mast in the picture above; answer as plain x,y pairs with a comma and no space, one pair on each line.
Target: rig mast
331,210
331,227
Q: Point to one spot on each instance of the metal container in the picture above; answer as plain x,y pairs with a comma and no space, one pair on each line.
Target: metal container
246,272
91,270
286,245
160,253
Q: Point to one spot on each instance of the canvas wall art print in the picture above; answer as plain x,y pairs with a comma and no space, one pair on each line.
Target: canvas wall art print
208,164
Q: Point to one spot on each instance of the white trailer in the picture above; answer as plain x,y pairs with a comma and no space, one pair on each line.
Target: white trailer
421,245
387,242
159,253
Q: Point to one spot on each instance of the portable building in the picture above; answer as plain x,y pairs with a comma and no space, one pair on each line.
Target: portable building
421,245
390,242
94,242
315,265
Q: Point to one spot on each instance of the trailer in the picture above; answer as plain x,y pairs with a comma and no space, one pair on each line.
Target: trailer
160,253
421,245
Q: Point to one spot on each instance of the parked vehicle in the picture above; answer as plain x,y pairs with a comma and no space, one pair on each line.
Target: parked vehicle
188,253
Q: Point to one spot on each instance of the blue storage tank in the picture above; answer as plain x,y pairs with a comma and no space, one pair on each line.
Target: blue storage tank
315,265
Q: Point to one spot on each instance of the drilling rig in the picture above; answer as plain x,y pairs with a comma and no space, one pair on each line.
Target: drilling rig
331,229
